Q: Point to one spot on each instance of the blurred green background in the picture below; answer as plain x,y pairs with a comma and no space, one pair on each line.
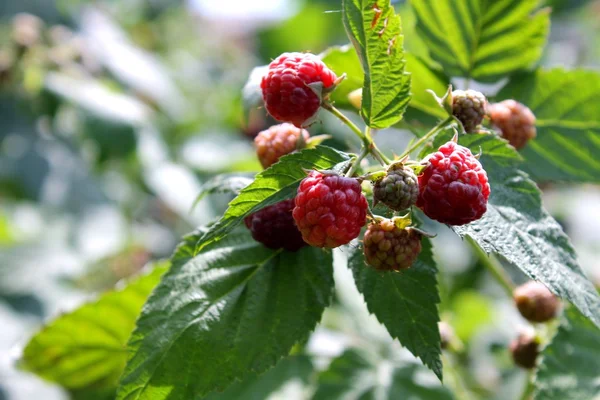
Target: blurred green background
114,112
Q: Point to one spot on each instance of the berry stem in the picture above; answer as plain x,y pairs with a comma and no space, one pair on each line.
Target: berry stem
455,379
427,136
329,107
529,386
364,152
493,267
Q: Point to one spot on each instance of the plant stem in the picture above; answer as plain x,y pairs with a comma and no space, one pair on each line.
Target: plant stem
493,267
529,386
455,378
329,107
364,152
427,136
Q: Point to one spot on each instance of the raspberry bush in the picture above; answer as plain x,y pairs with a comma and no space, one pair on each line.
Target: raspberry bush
237,307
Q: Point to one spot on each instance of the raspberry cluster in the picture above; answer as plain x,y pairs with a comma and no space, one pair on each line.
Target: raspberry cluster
291,87
515,121
277,141
454,188
330,209
390,248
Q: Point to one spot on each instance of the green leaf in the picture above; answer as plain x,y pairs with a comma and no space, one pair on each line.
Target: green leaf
343,60
482,39
570,364
374,29
568,123
293,373
276,183
517,227
87,347
423,79
224,183
231,311
405,302
358,375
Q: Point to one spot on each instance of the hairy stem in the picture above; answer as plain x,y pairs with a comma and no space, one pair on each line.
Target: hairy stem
364,152
529,386
455,379
329,107
427,136
493,267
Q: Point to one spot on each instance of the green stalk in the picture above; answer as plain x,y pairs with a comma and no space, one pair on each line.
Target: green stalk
427,136
364,152
493,267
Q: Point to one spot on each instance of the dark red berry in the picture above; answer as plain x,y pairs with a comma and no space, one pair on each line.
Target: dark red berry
535,302
277,141
525,350
454,187
286,91
389,248
274,227
330,209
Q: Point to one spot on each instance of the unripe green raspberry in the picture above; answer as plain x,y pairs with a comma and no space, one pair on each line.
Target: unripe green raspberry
399,189
389,248
469,106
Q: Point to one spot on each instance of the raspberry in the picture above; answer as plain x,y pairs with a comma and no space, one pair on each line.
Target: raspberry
389,248
535,302
274,227
454,187
525,349
469,106
447,335
399,189
330,210
515,121
286,91
277,141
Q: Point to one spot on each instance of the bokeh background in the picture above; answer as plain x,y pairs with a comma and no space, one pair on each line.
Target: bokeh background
114,112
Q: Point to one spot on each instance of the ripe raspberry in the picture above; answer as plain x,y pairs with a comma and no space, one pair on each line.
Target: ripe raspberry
399,189
525,349
535,302
330,210
277,141
454,188
274,227
389,248
515,121
286,91
469,106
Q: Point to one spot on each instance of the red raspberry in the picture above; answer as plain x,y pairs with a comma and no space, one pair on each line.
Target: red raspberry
535,302
330,209
286,91
274,227
389,248
277,141
515,121
454,188
525,349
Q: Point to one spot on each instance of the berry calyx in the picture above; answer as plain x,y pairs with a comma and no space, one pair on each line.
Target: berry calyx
515,121
398,189
525,350
330,209
292,86
469,107
454,187
390,248
274,227
535,302
277,141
